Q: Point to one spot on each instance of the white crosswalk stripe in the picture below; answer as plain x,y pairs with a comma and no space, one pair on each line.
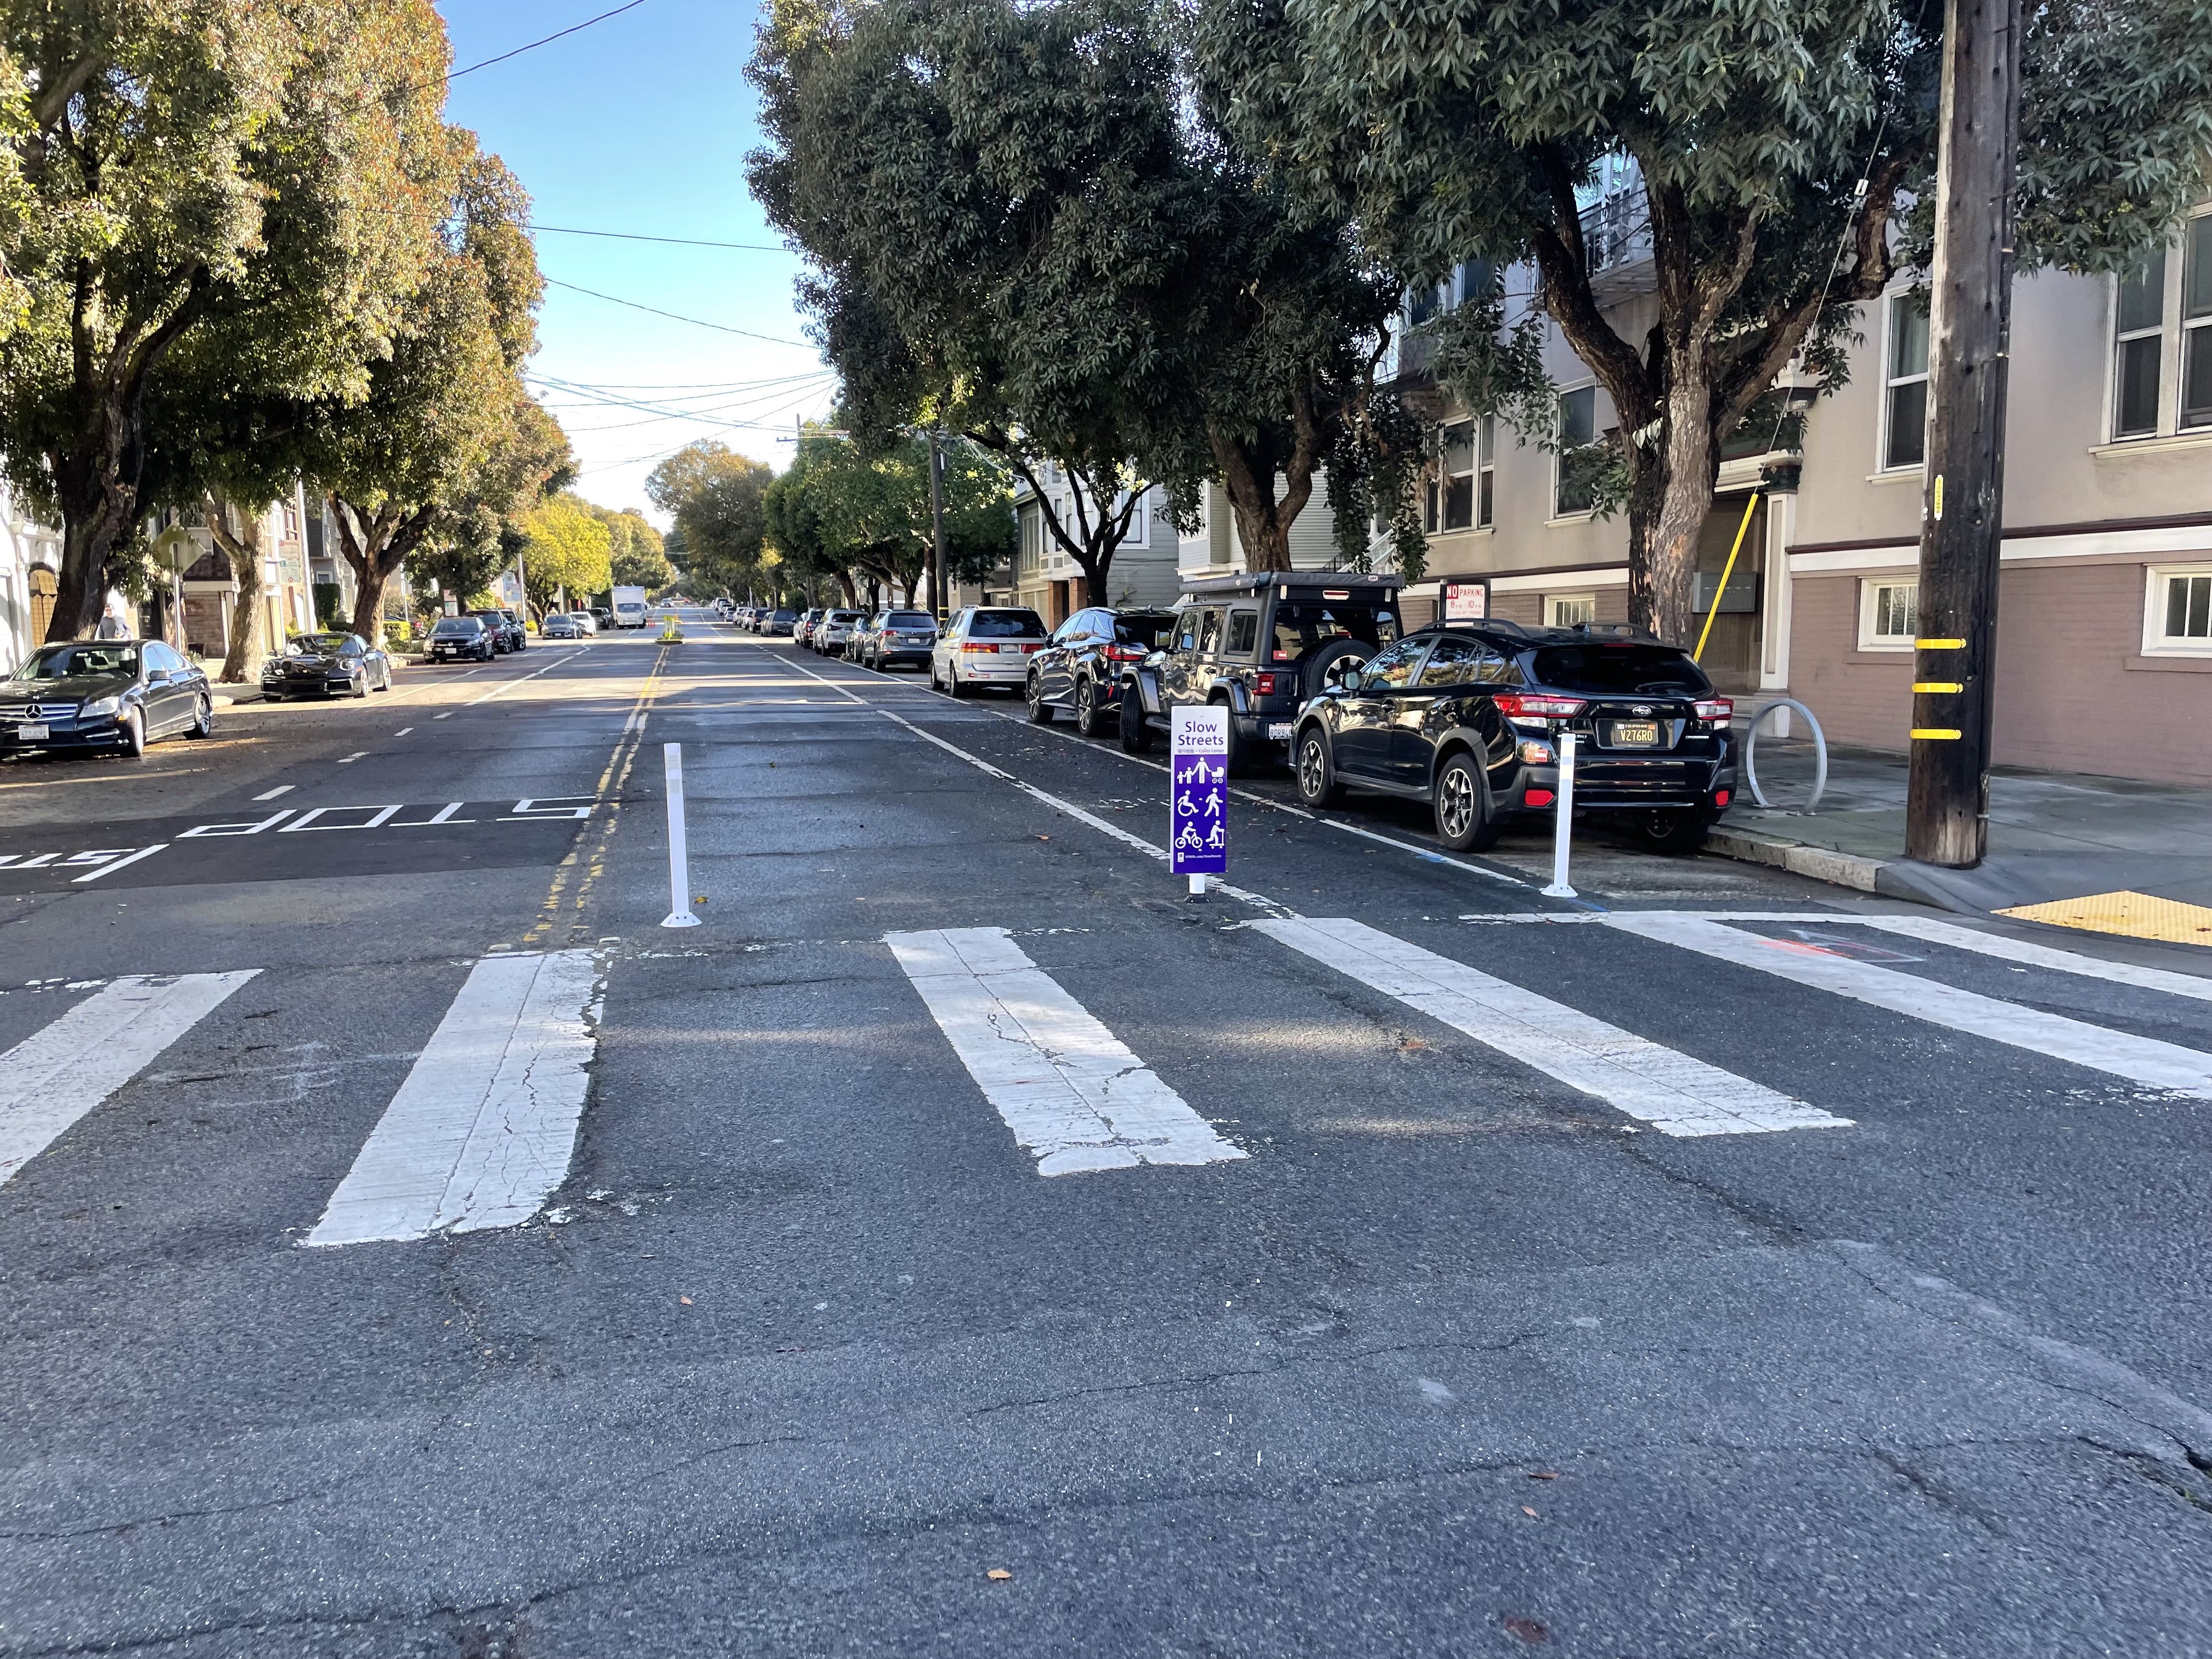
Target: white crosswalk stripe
2120,1054
1069,1088
1673,1092
481,1132
55,1075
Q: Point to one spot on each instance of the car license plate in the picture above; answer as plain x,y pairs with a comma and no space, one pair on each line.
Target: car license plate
1636,734
1010,651
30,733
1279,731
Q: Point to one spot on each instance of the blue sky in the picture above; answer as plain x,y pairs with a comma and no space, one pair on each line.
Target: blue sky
641,124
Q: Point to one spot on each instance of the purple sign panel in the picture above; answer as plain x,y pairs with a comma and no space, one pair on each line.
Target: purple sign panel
1198,772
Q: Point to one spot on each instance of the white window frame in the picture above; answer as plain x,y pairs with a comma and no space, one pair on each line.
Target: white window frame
1888,384
2168,379
1870,588
1554,602
2155,642
1560,453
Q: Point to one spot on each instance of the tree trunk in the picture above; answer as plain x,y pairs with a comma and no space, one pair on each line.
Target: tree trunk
244,552
94,519
852,593
1666,510
1263,523
375,545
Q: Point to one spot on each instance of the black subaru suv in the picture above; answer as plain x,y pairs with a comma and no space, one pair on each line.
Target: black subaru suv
1261,644
1468,717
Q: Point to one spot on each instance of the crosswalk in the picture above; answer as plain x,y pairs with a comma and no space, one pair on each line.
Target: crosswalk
481,1132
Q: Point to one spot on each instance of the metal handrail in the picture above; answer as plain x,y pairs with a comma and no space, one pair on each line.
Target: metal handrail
1820,752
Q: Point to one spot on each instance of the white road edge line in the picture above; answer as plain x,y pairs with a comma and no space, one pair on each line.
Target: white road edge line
1673,1092
271,794
481,1132
56,1075
1069,1088
2141,1060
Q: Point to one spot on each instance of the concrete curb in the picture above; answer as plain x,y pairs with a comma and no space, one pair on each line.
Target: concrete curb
1966,893
229,695
1820,863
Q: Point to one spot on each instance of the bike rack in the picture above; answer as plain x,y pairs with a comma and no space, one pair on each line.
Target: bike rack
1820,752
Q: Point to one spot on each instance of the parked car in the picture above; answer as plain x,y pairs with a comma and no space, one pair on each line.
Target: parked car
560,625
325,665
985,644
833,629
501,628
1081,667
518,629
1261,644
585,622
1468,716
778,624
802,630
456,637
603,616
898,637
103,696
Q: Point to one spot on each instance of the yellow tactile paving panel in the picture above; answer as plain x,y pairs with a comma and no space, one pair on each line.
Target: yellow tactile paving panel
2138,915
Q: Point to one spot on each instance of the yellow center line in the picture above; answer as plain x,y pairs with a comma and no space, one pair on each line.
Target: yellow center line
613,780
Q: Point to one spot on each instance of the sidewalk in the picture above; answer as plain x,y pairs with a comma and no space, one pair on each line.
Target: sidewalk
2053,835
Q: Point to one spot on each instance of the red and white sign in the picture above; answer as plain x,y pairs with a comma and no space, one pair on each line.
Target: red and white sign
1466,601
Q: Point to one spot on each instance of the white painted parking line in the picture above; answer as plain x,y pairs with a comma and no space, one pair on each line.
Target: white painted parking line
1069,1088
348,760
2141,1060
481,1132
1672,1092
271,794
403,731
54,1077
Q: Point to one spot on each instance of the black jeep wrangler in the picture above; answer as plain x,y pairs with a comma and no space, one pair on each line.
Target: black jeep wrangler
1261,644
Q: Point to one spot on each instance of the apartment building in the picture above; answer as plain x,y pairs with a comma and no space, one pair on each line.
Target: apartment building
2104,621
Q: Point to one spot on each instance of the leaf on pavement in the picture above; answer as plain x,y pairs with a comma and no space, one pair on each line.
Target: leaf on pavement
1530,1513
1527,1630
1543,1475
998,1574
685,1300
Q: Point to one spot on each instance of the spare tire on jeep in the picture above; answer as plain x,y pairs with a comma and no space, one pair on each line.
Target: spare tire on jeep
1331,656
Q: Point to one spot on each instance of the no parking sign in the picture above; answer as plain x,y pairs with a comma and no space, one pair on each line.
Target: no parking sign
1198,774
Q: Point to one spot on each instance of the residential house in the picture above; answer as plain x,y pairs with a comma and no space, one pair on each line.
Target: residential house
2104,619
1047,580
1215,547
30,559
210,585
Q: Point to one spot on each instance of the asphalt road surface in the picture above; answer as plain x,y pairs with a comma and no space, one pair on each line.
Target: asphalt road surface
962,1244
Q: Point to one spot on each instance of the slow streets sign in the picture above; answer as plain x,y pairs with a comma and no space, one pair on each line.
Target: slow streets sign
1198,770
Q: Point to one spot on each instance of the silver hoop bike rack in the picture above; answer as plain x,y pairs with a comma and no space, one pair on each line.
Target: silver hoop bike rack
1820,752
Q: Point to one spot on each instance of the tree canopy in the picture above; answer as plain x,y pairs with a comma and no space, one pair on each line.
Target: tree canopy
566,544
1027,228
1779,147
262,170
715,497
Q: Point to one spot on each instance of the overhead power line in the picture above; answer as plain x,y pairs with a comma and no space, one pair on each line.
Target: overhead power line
455,75
697,322
673,241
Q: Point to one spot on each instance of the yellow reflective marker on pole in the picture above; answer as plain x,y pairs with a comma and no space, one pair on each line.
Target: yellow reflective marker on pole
1727,571
1936,733
1937,685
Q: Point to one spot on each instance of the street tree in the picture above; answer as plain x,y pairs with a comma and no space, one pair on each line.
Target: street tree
565,546
715,497
636,551
407,456
1780,150
246,166
480,533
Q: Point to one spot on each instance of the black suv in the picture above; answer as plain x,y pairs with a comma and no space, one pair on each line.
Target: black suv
1082,667
1262,644
1468,716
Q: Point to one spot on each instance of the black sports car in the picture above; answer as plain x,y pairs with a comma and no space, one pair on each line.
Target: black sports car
118,695
325,665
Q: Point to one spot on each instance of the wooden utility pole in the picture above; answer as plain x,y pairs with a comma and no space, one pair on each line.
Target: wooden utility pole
1969,338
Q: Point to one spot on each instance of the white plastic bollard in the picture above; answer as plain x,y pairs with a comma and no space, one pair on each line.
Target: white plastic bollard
1564,829
679,857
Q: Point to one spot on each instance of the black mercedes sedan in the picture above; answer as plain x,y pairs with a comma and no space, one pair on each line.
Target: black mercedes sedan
1469,718
104,694
325,665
